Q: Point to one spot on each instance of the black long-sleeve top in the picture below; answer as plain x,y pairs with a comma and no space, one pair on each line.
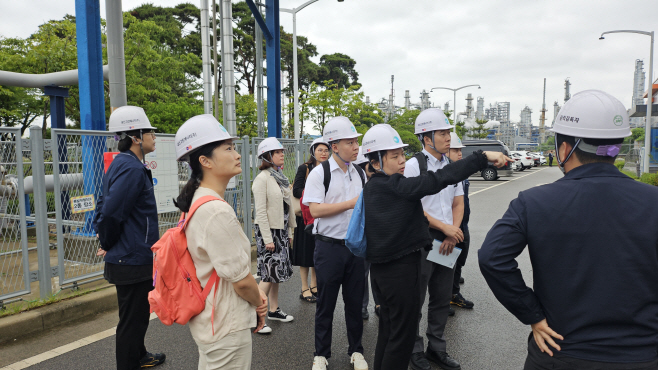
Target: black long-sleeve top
299,183
395,222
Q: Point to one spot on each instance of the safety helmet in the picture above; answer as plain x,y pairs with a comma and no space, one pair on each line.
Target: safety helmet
431,119
339,128
593,114
197,132
268,145
360,158
129,118
314,144
381,137
455,141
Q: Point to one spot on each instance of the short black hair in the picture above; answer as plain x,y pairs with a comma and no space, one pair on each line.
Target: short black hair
586,157
125,143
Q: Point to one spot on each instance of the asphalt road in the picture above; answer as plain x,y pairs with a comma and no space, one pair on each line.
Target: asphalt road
487,337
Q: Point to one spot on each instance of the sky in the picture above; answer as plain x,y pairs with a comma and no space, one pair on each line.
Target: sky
506,46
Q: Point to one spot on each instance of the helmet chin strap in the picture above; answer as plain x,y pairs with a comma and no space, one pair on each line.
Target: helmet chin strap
141,149
346,164
265,159
557,155
381,164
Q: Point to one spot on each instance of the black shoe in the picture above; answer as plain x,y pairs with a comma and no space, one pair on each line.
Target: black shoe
451,312
152,359
279,316
459,301
443,359
364,313
419,362
461,280
378,309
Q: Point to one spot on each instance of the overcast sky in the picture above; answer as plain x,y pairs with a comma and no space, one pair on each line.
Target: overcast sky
506,46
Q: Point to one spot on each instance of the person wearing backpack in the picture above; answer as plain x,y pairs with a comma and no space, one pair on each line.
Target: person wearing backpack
274,223
126,222
331,193
397,230
217,244
303,243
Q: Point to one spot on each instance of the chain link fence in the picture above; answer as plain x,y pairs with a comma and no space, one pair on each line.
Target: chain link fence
65,194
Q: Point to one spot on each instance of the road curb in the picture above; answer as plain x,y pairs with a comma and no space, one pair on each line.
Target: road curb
57,314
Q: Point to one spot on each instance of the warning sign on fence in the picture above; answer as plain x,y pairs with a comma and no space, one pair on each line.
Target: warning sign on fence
83,203
164,170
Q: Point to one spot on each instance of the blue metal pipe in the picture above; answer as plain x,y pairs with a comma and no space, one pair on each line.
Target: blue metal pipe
273,50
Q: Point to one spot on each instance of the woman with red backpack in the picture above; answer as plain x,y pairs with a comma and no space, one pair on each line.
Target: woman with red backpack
304,243
216,242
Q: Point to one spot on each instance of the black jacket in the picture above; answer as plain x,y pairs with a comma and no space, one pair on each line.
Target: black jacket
395,222
592,237
300,180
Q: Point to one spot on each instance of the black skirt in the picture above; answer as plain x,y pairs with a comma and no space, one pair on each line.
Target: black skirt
303,246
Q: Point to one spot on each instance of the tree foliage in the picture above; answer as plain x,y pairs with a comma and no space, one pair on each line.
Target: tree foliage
479,131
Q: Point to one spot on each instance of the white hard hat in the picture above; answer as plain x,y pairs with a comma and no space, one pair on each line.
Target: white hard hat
381,137
455,141
431,119
197,132
269,144
128,118
593,114
360,158
339,128
315,142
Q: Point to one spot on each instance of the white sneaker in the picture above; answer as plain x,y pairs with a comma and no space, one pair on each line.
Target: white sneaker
358,361
265,330
320,363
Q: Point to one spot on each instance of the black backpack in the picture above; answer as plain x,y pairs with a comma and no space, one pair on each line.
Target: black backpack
327,175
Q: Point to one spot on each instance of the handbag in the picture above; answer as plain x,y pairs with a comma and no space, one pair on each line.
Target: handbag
296,204
356,230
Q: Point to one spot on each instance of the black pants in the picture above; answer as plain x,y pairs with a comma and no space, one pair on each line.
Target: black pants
336,266
461,261
550,162
366,292
396,283
537,360
134,312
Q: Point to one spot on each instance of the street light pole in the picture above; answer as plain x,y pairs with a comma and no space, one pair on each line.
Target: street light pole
295,75
454,108
647,125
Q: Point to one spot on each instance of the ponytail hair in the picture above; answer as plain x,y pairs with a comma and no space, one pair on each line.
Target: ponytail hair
184,200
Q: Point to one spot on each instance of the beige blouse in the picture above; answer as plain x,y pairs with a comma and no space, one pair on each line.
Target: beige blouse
215,240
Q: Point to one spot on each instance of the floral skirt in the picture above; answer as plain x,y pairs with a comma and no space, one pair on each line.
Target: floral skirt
274,266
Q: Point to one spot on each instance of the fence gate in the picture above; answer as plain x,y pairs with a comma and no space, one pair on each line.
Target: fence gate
14,255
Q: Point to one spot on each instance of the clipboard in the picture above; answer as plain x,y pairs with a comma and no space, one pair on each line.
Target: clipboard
448,261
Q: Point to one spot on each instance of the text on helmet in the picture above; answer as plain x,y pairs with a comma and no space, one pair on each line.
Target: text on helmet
568,118
126,121
186,138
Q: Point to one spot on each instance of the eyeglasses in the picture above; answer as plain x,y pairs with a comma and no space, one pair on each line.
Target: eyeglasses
149,133
323,151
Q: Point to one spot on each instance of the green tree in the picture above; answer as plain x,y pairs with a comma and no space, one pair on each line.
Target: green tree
637,134
479,131
404,124
338,68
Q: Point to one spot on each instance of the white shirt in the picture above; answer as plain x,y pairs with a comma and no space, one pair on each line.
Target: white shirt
439,205
341,189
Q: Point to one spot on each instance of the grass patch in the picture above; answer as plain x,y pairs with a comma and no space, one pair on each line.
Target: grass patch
22,306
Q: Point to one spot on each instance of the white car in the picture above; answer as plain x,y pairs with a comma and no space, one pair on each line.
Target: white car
542,159
525,159
535,158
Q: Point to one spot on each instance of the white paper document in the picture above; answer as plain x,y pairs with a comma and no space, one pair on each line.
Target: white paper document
436,257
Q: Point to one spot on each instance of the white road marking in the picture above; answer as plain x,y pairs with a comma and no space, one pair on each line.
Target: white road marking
506,182
64,349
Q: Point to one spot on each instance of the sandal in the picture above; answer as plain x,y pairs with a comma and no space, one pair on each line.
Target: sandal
309,299
315,294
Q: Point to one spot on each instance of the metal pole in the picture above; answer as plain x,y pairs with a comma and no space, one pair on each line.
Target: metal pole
260,116
454,110
228,78
115,54
205,58
215,62
647,125
273,50
295,73
40,212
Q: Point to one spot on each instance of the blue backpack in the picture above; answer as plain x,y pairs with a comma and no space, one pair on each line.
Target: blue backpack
356,231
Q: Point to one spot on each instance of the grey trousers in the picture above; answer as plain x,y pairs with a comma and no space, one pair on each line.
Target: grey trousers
437,280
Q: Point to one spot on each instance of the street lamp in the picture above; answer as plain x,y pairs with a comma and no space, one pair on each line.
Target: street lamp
647,125
455,97
295,75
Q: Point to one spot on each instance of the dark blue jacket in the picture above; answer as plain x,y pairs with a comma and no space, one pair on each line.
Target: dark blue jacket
592,237
126,218
467,206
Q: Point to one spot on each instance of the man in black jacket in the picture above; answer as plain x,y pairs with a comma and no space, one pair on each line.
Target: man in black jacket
601,247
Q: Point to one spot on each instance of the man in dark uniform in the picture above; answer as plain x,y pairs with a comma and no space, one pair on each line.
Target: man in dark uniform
594,303
550,159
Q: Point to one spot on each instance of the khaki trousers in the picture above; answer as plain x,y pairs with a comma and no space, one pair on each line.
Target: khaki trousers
233,352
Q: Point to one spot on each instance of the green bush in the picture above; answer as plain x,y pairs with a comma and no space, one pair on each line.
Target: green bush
650,178
620,164
629,174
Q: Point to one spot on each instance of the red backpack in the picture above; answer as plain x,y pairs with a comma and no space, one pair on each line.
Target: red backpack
178,295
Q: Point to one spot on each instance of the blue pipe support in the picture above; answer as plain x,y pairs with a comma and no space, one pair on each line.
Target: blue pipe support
92,100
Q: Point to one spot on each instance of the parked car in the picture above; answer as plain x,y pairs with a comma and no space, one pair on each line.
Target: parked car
542,159
491,172
535,158
516,166
526,159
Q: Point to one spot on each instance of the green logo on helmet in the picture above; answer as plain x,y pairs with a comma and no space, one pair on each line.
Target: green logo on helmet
618,120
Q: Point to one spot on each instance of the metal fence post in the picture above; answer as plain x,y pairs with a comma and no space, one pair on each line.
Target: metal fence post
246,186
40,212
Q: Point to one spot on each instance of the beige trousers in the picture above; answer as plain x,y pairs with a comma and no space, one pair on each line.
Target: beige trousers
233,352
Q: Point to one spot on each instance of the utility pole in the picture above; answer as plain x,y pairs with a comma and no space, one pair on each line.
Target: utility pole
542,121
